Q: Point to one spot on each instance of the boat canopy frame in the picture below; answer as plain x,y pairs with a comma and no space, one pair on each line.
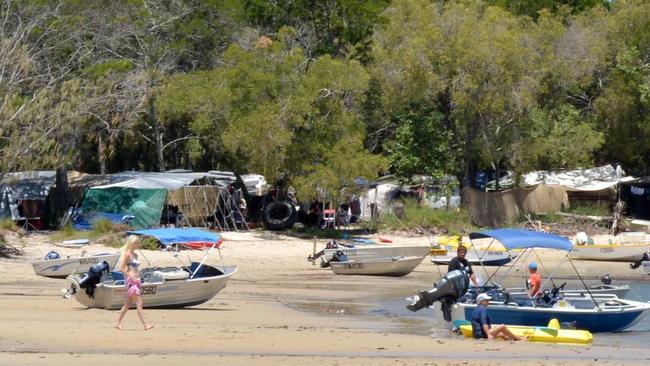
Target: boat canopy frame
528,240
175,239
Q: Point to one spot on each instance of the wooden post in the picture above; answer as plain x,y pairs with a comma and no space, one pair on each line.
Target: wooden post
313,261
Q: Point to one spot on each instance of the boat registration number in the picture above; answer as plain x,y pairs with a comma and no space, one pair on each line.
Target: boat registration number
149,290
607,250
88,260
353,265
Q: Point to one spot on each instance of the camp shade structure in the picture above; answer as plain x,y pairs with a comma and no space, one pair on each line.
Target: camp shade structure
143,203
198,197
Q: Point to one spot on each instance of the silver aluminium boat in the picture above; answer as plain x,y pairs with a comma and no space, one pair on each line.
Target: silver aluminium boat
162,287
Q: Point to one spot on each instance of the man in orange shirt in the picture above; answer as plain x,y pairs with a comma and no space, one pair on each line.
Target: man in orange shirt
535,280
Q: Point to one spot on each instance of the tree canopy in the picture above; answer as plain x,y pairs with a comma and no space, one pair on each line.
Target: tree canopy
325,91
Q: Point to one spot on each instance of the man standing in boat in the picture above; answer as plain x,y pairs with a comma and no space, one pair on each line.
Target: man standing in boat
535,280
459,262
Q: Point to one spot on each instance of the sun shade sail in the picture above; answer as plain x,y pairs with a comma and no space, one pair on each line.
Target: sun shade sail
523,239
194,238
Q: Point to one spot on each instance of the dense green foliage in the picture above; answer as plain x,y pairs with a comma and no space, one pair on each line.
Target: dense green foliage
325,91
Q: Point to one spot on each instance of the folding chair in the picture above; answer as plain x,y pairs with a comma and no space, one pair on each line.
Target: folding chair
329,219
343,216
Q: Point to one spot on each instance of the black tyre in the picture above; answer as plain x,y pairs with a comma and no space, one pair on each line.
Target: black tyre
279,215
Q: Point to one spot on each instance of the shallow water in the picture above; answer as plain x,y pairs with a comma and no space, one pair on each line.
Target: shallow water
392,311
384,307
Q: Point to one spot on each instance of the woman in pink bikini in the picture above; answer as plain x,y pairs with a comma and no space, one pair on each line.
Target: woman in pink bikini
129,265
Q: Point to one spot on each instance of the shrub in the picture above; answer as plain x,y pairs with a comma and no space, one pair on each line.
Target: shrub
416,216
8,224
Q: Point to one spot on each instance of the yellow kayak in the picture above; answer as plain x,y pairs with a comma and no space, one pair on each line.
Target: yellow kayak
550,334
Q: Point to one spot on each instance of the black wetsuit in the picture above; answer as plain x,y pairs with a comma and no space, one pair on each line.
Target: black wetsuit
457,263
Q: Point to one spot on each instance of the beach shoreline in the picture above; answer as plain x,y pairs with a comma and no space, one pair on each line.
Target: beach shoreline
279,309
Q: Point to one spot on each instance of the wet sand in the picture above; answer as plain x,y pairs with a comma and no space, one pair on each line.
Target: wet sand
278,309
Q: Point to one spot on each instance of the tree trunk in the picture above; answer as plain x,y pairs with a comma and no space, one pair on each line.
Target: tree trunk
101,155
496,178
158,134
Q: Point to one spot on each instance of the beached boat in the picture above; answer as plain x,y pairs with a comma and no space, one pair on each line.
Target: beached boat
391,266
162,287
552,333
476,257
374,251
63,267
625,247
588,311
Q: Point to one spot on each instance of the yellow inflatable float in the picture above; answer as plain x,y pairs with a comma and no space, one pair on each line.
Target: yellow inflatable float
550,334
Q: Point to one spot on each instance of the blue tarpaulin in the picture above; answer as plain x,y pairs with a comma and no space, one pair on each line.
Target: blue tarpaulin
171,236
524,239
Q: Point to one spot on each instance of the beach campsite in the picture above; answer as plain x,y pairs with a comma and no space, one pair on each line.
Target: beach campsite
331,182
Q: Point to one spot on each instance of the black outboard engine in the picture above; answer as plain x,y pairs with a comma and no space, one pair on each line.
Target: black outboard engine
93,277
637,264
451,288
606,279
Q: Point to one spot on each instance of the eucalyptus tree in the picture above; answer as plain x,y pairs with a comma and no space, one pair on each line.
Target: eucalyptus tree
270,109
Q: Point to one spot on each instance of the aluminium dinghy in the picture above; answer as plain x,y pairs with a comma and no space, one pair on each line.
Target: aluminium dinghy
162,287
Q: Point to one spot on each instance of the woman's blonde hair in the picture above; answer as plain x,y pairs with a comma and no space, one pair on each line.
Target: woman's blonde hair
131,241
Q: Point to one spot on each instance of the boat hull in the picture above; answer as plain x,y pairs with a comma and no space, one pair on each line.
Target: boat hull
160,293
362,252
585,319
394,267
610,252
63,267
489,258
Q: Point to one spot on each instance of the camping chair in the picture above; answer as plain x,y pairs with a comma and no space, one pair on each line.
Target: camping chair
343,216
329,219
26,225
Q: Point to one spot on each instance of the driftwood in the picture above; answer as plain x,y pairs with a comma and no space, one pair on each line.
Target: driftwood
586,217
8,251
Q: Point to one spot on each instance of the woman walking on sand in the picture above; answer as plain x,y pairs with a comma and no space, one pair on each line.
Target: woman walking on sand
129,264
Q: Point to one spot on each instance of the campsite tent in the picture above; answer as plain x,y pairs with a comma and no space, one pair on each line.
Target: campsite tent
26,195
542,191
199,199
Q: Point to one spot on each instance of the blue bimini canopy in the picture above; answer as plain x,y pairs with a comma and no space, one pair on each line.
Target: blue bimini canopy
193,238
524,239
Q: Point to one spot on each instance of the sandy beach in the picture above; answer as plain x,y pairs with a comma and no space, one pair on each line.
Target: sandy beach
278,309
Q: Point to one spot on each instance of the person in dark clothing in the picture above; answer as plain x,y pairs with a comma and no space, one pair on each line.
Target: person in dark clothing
459,262
482,326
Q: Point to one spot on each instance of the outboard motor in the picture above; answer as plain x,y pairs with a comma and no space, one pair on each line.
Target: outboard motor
451,288
52,255
93,277
606,279
637,264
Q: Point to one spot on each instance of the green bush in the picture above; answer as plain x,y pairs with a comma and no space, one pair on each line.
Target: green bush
103,226
415,216
590,209
148,243
8,224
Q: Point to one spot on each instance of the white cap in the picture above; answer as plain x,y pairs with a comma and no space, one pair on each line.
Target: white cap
483,297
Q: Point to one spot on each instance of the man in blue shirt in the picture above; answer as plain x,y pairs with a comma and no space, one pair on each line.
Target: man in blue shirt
482,326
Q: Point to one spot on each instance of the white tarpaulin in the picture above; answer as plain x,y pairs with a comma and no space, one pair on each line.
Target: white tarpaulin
592,179
169,181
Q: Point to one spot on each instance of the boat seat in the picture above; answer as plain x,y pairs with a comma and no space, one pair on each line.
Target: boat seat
193,268
176,274
118,277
